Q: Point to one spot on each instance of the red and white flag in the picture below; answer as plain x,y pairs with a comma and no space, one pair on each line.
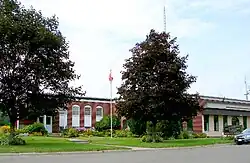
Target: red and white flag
110,76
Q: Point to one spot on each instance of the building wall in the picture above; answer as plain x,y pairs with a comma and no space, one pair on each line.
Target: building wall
197,123
93,105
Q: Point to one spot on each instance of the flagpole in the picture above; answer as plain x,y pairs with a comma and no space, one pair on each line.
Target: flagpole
111,108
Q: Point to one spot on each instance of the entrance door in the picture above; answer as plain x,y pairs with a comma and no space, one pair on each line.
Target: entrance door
87,116
49,124
46,122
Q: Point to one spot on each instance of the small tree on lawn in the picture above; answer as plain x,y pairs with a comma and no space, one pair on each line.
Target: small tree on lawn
35,69
155,82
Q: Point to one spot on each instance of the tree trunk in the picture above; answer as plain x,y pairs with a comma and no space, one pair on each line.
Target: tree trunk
154,134
12,125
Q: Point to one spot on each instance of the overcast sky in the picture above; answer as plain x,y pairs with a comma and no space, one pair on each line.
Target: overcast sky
215,34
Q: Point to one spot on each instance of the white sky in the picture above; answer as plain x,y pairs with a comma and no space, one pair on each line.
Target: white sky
101,32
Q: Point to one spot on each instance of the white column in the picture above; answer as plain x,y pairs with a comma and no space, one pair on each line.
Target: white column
44,121
229,120
248,122
241,120
220,123
17,124
211,123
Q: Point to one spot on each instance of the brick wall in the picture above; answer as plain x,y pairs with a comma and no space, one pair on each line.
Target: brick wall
82,104
197,123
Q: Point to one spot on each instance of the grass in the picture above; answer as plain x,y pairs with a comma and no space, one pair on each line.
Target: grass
52,144
135,142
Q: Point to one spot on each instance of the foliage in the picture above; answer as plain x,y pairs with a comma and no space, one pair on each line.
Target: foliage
169,128
185,135
105,123
11,139
199,135
4,129
71,133
150,139
137,127
123,133
35,128
155,82
36,134
228,137
34,59
233,129
4,120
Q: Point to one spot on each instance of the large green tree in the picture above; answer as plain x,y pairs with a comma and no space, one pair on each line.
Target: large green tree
35,69
155,82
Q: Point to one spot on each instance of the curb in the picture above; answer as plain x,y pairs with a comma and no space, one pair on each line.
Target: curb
62,153
129,149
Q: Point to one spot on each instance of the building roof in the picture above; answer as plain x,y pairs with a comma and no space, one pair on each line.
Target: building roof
224,100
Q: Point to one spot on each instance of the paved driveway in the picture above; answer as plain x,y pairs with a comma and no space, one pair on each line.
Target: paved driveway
218,154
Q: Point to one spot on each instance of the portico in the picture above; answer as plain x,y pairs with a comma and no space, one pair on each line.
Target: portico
220,112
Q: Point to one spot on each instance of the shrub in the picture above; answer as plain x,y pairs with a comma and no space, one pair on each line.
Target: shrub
104,124
11,139
150,139
36,127
169,128
71,133
137,127
36,134
98,133
228,137
123,133
4,129
199,135
185,135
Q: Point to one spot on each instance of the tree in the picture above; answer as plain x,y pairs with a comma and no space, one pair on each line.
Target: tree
155,82
35,69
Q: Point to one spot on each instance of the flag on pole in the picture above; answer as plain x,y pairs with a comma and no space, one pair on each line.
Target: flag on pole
111,108
110,76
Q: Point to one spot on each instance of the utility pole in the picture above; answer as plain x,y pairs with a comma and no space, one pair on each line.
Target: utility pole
246,89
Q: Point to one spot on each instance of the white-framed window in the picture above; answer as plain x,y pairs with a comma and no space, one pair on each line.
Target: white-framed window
75,116
99,113
75,110
87,110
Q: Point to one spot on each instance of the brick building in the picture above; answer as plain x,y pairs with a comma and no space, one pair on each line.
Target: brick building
217,113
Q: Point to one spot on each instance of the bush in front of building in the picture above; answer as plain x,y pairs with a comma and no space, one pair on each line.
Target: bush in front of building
199,135
152,139
104,124
70,133
35,128
137,127
11,139
4,129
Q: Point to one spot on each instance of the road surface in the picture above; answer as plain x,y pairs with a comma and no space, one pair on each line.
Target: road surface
218,154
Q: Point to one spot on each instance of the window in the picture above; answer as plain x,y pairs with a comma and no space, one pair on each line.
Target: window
99,111
206,122
235,121
48,120
216,123
190,125
225,121
75,110
87,110
245,122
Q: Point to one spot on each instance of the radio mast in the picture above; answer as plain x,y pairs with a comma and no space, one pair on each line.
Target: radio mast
246,89
164,21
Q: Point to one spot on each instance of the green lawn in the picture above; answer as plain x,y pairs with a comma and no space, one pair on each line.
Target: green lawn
135,142
52,144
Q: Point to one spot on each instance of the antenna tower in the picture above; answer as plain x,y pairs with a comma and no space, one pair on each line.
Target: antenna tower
246,89
164,17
